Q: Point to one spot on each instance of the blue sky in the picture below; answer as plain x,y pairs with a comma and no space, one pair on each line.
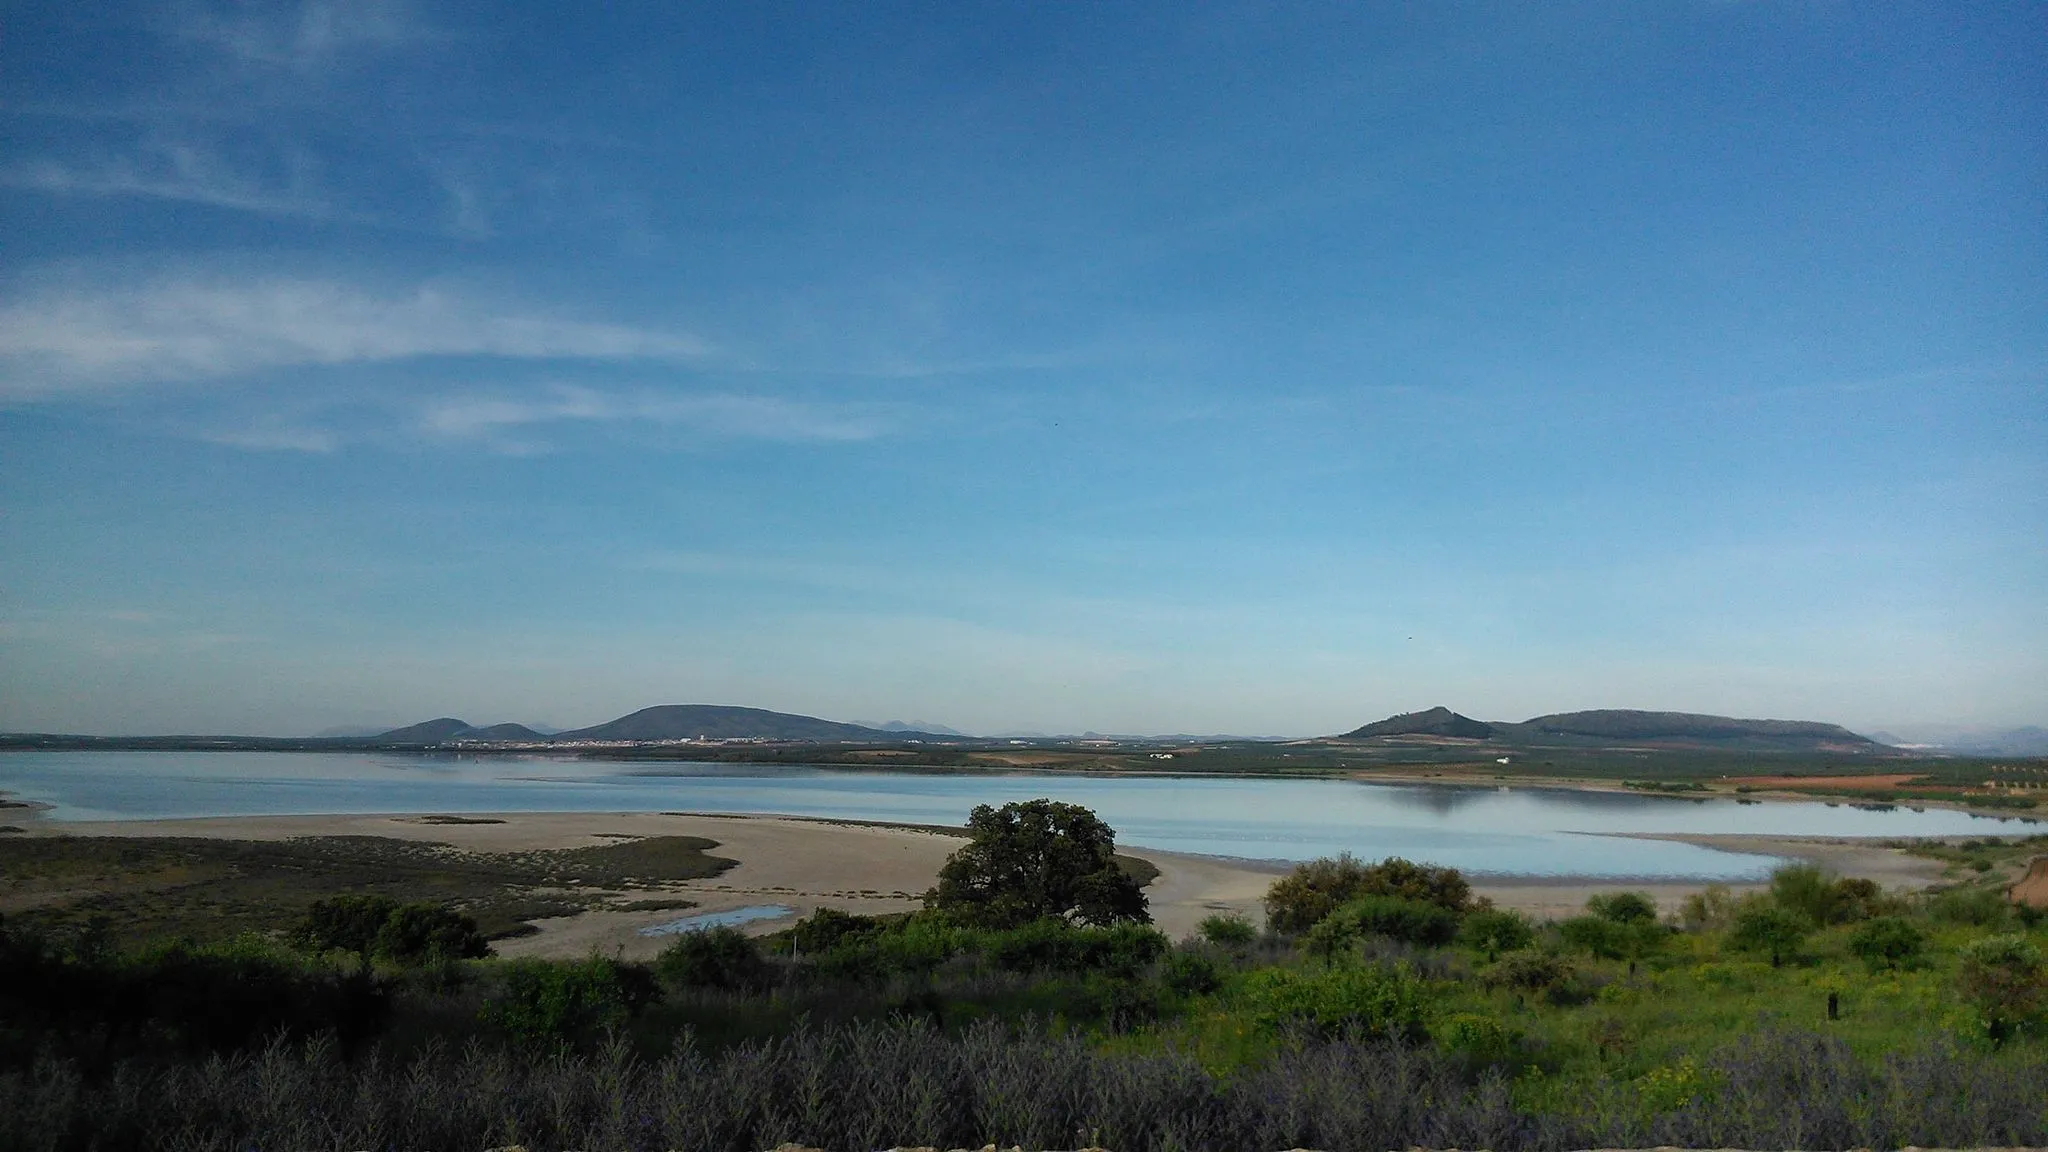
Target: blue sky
1176,367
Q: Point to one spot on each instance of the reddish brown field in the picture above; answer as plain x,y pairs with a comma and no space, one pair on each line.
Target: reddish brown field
1860,783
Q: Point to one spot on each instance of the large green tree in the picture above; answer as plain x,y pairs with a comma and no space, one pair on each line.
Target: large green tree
1037,860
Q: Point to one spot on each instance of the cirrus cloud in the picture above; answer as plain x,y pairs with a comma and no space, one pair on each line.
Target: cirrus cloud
60,341
501,422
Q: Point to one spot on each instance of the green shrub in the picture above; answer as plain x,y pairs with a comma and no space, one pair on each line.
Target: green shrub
1888,943
1613,939
1400,918
377,926
1769,929
1594,935
422,933
1975,907
2004,976
1805,890
1118,1003
1299,900
1709,908
919,944
827,927
1191,973
1329,937
559,1004
1527,971
1822,897
1480,1040
1228,931
1444,887
721,957
1623,907
1374,1000
1057,946
1494,931
1856,899
347,923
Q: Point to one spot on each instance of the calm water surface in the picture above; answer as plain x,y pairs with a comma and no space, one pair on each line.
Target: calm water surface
731,918
1529,831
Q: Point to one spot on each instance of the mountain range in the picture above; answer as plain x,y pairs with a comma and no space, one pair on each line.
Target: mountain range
662,722
1628,726
1591,729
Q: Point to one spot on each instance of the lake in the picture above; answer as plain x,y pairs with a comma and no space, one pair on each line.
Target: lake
1497,830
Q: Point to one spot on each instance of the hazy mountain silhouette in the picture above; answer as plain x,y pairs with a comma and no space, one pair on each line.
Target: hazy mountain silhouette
1627,724
1438,721
722,722
518,732
923,727
425,732
1608,726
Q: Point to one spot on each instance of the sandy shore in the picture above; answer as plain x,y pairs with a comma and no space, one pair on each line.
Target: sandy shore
809,864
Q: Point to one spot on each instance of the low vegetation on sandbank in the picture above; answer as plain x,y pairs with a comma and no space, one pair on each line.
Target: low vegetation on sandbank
149,889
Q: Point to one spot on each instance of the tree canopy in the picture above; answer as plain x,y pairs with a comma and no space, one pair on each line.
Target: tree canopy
1037,860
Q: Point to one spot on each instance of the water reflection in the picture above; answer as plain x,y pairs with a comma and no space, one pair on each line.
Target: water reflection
1437,799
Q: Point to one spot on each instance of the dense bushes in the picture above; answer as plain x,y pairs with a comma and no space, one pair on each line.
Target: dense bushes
1399,918
870,1086
836,945
563,1004
1492,932
1971,907
82,997
1052,946
1228,931
1888,942
1312,891
1622,907
2004,976
721,957
1766,928
381,928
1369,1000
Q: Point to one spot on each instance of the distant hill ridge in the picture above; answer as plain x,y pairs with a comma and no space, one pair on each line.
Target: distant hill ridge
1438,721
661,722
1623,724
719,722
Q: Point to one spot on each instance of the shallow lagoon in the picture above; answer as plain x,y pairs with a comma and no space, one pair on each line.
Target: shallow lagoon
1525,831
730,918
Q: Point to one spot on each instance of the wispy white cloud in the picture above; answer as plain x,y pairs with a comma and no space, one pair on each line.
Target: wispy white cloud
180,171
274,436
60,341
301,37
502,421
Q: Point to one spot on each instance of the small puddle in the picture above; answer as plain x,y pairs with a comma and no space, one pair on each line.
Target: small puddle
728,918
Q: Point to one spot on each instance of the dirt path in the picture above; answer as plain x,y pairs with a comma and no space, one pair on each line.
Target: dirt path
2032,888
